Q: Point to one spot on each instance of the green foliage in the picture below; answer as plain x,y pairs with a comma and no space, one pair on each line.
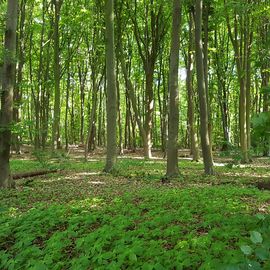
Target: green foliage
261,130
82,219
235,154
41,158
257,250
266,89
19,166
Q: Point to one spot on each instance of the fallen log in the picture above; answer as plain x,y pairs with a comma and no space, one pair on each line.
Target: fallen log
32,174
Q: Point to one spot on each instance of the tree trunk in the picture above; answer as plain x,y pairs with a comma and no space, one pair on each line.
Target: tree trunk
172,146
111,88
21,61
82,79
242,120
45,97
204,131
119,118
149,96
132,98
92,121
242,54
205,65
190,93
67,107
6,94
57,103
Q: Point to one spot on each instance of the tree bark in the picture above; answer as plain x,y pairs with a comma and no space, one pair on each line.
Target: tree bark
204,121
172,145
111,88
190,93
57,103
242,56
21,61
6,94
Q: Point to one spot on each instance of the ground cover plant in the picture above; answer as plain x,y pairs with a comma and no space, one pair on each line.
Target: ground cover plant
82,218
134,134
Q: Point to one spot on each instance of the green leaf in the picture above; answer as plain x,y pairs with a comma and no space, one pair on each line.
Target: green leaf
158,266
147,266
253,265
265,90
132,257
39,266
262,253
232,267
260,216
256,237
247,250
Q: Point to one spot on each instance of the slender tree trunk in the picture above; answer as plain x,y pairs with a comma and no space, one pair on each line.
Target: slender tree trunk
190,93
92,120
172,146
67,107
161,107
111,88
100,120
205,65
45,97
72,116
119,118
127,143
6,94
248,42
149,96
82,78
57,103
21,61
205,140
132,98
40,83
223,86
165,111
242,52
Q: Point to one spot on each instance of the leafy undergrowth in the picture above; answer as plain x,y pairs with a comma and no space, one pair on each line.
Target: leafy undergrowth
83,219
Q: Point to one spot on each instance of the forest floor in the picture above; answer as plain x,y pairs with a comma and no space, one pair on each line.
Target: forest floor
80,218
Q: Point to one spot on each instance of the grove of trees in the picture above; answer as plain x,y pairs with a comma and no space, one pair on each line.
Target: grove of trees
123,75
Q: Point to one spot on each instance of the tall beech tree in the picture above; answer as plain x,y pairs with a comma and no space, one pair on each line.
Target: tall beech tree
190,89
57,76
172,145
241,27
149,39
21,46
204,114
6,93
111,87
223,68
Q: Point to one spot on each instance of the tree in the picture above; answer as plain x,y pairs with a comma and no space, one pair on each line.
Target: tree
204,127
149,37
6,94
223,67
190,89
242,48
172,145
111,88
57,70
